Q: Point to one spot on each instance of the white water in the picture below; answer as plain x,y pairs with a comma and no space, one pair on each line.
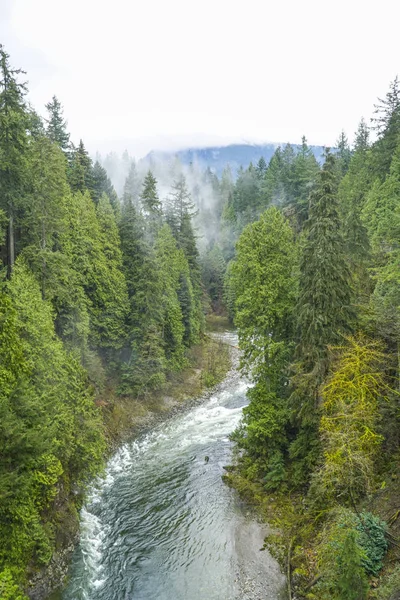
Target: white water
161,525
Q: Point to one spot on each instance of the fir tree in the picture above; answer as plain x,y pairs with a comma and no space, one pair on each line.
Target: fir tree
151,205
57,126
102,185
343,155
324,310
132,187
13,149
80,174
387,124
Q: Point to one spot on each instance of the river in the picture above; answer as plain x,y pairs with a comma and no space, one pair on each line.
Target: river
161,524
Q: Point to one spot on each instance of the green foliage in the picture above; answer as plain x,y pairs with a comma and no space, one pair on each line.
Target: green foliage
56,129
340,560
50,428
9,590
349,422
80,173
324,310
389,588
352,547
213,272
264,287
14,123
151,206
372,539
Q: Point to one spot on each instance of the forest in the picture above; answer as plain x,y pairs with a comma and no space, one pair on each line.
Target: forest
92,288
97,285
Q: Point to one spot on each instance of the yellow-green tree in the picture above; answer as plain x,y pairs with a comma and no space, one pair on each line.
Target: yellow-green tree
350,416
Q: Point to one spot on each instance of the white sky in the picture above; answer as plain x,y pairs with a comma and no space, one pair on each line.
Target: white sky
167,73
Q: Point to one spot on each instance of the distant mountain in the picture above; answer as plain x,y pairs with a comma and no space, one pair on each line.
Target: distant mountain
217,157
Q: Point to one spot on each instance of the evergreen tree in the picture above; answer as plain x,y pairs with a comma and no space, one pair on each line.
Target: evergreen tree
264,287
45,214
261,168
57,126
213,272
80,174
50,428
180,210
151,205
323,311
102,185
387,124
246,196
132,187
13,149
172,265
343,155
92,246
145,369
305,172
381,218
353,190
352,581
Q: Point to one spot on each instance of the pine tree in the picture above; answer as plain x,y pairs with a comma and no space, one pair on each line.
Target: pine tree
172,265
145,369
213,272
352,192
57,126
352,581
180,211
261,168
343,155
80,174
151,205
246,196
381,218
13,149
102,185
305,172
91,244
387,124
324,310
45,214
132,187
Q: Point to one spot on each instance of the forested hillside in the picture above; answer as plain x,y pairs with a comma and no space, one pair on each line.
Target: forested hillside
93,288
313,288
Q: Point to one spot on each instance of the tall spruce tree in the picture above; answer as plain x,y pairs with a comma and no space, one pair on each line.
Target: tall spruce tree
45,214
386,122
180,211
132,187
145,368
56,129
102,185
80,173
343,155
151,205
324,310
13,149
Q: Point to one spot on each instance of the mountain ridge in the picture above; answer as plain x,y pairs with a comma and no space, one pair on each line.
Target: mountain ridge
217,157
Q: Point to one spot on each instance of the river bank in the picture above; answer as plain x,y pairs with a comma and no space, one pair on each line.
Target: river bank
126,418
162,524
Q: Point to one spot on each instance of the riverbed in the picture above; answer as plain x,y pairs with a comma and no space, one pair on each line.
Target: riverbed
161,524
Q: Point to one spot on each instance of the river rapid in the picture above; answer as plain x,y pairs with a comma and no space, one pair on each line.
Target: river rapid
161,524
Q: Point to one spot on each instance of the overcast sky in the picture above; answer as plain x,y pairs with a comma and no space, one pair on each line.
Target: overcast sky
164,73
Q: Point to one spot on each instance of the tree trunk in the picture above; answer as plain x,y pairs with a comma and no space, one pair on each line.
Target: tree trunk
11,245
